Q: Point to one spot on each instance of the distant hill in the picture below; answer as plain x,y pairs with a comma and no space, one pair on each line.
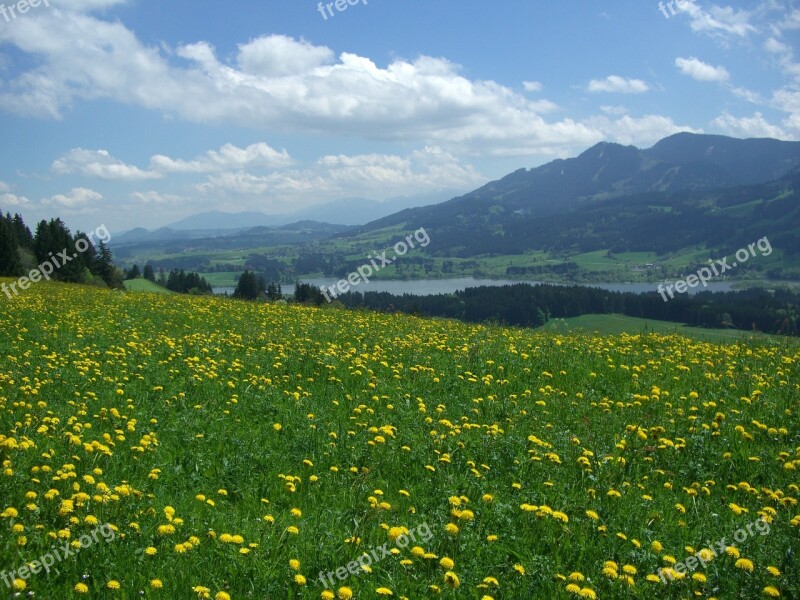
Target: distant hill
686,190
346,211
216,220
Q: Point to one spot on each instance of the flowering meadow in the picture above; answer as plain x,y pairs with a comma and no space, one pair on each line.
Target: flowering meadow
244,450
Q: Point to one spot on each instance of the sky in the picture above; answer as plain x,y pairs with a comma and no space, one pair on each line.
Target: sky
136,113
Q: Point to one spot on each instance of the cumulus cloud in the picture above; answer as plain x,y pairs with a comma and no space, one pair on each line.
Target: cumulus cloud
377,176
99,164
532,86
277,82
614,110
228,157
638,131
618,85
700,71
77,198
9,200
748,127
280,55
153,197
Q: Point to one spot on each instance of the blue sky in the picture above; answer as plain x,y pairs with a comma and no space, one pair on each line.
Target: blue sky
137,113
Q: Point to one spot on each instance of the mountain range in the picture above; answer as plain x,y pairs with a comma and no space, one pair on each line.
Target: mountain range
686,190
687,195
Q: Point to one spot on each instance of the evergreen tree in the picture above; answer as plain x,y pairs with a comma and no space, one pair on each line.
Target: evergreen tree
249,286
10,265
107,271
133,273
148,273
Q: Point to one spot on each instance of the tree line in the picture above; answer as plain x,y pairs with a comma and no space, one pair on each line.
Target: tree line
22,251
178,280
527,305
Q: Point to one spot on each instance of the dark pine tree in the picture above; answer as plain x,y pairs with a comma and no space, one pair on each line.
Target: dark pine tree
248,287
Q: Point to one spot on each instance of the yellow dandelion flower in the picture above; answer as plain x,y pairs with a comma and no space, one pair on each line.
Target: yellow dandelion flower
451,579
744,564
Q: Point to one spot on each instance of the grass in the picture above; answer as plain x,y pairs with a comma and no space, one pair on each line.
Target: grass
239,450
617,324
145,285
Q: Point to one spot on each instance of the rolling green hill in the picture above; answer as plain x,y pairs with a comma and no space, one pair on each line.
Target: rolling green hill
145,285
617,324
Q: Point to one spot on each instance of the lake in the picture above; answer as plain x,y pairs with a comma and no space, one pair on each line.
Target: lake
428,287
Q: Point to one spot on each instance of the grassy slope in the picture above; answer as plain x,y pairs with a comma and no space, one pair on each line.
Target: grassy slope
616,324
145,285
186,422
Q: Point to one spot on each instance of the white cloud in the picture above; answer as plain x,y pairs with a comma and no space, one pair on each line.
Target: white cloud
748,95
77,198
614,110
7,200
776,47
532,86
700,71
4,187
378,176
228,157
279,55
153,197
755,126
99,164
277,82
618,85
638,131
719,21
